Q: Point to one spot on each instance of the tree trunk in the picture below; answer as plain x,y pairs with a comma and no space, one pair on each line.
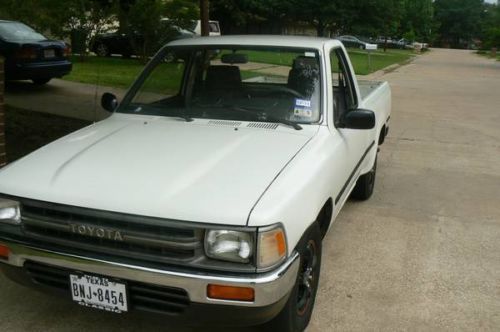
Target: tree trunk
3,154
320,28
204,12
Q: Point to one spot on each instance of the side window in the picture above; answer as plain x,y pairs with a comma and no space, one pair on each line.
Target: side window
343,88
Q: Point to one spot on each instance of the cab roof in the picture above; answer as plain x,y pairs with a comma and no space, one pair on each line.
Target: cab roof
257,40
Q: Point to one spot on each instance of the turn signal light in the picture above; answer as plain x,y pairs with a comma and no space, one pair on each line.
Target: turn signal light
231,293
4,252
67,51
26,53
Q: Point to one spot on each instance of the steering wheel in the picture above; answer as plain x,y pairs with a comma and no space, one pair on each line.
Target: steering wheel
287,90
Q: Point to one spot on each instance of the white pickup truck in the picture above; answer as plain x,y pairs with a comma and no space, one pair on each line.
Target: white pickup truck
208,191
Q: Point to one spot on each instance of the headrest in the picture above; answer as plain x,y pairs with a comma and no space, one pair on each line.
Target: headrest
223,76
302,62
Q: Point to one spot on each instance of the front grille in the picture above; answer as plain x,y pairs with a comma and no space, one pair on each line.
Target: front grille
109,233
146,297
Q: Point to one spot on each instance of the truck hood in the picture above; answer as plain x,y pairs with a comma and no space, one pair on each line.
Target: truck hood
202,171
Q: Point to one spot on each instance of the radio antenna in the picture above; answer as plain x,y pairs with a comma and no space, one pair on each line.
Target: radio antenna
96,92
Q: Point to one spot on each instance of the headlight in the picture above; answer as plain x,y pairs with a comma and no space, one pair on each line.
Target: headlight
230,246
10,212
271,247
238,246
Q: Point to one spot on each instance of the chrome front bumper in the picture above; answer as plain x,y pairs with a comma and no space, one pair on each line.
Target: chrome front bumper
269,287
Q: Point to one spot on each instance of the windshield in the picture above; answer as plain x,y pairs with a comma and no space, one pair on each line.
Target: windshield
245,83
19,32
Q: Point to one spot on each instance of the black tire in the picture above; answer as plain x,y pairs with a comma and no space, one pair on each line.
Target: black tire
296,314
102,50
41,81
365,184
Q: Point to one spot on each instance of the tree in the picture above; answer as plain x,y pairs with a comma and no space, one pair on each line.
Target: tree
490,30
458,21
417,19
321,14
88,17
204,18
146,19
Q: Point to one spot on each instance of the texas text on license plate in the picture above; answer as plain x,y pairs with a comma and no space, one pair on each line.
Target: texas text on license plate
99,292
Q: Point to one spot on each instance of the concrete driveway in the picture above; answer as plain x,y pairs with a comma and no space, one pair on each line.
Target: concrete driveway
422,254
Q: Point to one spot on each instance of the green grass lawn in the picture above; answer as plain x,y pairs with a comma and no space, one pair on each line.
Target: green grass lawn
120,73
359,59
115,72
379,59
488,54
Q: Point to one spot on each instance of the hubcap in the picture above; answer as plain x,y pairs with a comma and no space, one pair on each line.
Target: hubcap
307,278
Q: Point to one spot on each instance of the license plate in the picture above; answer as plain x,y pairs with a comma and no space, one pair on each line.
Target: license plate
99,292
49,53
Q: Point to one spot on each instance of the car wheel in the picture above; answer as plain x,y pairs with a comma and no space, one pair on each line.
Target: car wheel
296,314
102,50
365,184
41,81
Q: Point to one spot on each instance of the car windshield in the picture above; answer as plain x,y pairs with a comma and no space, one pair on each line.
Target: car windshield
19,32
264,84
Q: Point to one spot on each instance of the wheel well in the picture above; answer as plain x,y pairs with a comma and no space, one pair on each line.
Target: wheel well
325,217
381,137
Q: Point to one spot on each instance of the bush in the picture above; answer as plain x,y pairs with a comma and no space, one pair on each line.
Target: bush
492,38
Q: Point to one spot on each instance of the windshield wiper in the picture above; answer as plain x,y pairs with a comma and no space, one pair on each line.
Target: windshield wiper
180,114
186,117
268,117
286,122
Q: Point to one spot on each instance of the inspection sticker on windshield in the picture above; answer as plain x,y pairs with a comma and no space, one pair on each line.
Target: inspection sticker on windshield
301,112
302,103
302,108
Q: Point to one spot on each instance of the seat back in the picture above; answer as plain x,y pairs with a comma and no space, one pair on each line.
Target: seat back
223,77
304,75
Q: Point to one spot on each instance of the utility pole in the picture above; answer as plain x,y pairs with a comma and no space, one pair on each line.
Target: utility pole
3,152
205,28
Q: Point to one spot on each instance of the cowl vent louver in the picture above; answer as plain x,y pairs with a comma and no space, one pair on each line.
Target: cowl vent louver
261,125
224,123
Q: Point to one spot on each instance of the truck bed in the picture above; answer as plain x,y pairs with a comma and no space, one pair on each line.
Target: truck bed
368,87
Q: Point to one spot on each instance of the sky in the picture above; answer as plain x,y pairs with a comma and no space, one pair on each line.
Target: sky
491,1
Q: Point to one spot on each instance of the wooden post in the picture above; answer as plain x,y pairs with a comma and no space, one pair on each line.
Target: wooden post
493,52
3,155
204,13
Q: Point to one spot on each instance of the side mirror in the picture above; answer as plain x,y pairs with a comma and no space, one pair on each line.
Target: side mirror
109,102
359,119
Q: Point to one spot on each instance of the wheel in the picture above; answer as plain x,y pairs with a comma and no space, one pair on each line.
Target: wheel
102,50
41,81
296,314
365,184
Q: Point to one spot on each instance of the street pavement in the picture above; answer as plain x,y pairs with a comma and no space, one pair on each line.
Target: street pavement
423,254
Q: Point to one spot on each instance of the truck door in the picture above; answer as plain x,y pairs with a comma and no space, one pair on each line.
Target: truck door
351,144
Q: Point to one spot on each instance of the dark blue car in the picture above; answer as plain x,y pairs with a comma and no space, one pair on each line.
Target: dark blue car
31,56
